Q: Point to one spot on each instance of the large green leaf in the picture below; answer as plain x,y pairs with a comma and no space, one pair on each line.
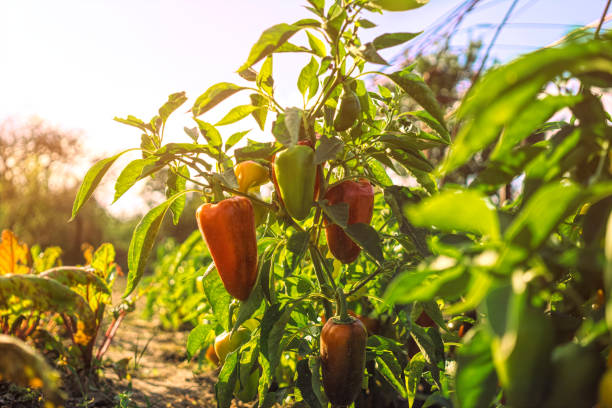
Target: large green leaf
131,174
501,96
91,180
393,39
237,113
416,88
143,240
72,276
174,102
269,41
214,95
476,379
456,210
46,295
217,296
177,182
202,335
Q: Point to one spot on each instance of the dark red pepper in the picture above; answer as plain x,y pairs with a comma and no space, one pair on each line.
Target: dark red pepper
360,198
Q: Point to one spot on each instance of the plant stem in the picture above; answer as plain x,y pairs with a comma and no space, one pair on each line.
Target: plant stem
364,281
603,17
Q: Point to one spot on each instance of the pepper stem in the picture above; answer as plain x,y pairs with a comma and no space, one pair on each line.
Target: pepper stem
342,309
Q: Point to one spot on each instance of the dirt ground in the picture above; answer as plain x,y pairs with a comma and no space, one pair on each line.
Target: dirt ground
144,367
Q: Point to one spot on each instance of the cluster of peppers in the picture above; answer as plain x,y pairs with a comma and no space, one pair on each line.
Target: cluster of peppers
228,227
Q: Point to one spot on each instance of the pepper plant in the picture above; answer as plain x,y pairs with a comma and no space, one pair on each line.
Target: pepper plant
418,266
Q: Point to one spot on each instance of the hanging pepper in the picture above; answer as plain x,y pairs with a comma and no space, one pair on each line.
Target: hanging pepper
348,109
229,231
250,174
315,196
343,346
360,198
294,175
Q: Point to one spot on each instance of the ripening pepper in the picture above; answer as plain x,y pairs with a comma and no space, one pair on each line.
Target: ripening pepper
360,198
250,174
228,228
295,173
227,342
315,196
348,109
343,347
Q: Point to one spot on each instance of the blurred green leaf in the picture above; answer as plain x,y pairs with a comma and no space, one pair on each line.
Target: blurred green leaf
456,210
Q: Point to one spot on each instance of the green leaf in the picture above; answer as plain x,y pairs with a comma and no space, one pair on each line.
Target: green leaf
177,182
214,95
379,173
424,285
73,277
217,296
210,133
255,151
391,40
541,214
530,120
260,114
264,78
269,41
142,242
399,5
387,366
456,210
200,336
328,149
226,382
308,77
91,180
298,242
46,295
362,22
131,174
304,383
316,45
133,121
416,88
235,138
319,5
237,113
337,213
413,377
504,93
174,102
366,237
432,123
272,330
368,53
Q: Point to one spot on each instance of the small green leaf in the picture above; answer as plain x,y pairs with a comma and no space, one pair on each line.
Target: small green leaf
217,296
133,121
456,210
192,133
260,114
237,113
367,238
255,151
200,336
308,77
337,213
362,22
399,5
235,138
226,381
298,242
213,96
391,40
368,53
142,242
264,78
177,182
328,149
317,45
270,40
91,180
174,102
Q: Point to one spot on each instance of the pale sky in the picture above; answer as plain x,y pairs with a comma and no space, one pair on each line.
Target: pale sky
78,63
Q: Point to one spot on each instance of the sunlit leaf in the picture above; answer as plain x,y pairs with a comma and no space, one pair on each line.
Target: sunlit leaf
270,40
391,40
13,255
174,102
213,96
